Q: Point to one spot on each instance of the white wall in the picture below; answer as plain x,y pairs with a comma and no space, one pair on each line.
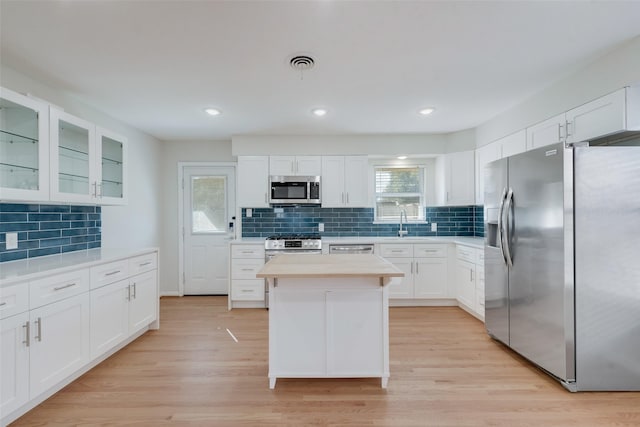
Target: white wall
611,72
174,152
138,223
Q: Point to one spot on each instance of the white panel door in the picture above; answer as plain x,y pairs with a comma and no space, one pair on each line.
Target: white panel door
332,184
601,117
143,300
59,341
14,362
253,181
209,208
430,278
356,181
109,316
402,287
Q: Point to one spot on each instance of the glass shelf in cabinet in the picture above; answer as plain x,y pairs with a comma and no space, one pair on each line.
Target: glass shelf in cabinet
21,167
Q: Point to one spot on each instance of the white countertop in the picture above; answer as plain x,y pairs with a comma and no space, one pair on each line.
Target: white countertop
328,266
476,242
33,268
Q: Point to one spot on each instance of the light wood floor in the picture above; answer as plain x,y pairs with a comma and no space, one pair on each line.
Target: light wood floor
445,371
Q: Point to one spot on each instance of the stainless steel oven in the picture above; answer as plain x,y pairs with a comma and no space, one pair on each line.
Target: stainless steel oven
310,244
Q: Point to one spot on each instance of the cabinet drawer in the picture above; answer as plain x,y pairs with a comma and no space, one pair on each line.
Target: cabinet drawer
143,263
466,253
247,251
247,290
108,273
245,268
58,287
401,251
429,251
14,299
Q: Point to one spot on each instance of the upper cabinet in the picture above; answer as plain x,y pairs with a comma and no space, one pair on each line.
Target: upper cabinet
253,182
455,185
88,163
112,157
619,111
47,155
73,146
24,148
295,165
344,181
616,112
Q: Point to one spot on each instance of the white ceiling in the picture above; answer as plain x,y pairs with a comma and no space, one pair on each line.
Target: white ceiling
157,64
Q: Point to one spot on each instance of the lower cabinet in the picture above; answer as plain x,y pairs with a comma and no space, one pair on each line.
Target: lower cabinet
14,362
59,342
61,327
244,289
425,267
120,309
470,279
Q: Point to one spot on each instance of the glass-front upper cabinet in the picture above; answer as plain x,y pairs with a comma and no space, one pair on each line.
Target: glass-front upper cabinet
74,176
24,148
112,159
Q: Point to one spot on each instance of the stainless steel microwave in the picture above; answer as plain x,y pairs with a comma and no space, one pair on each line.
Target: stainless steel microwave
294,190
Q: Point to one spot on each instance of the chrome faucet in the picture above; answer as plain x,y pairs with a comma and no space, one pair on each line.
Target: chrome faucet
401,231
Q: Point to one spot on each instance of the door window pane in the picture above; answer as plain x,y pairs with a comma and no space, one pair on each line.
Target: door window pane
209,204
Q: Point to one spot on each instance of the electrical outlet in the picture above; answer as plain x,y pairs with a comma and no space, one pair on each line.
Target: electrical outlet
249,212
434,226
321,227
12,241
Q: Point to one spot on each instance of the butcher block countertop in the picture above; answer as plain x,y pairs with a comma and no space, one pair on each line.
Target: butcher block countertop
328,266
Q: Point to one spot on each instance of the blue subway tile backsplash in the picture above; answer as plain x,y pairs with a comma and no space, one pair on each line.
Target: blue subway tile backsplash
349,222
48,229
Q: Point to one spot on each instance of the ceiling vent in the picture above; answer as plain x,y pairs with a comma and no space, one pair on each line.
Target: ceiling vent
302,62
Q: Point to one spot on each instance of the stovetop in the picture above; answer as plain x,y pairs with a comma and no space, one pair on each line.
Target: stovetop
294,237
308,242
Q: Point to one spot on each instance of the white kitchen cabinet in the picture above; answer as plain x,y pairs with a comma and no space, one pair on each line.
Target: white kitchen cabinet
253,182
74,174
344,181
616,112
245,290
510,145
14,362
109,316
111,157
455,174
60,342
547,132
143,300
24,148
425,267
470,279
295,165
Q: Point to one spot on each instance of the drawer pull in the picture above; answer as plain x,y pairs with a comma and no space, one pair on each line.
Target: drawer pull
112,273
27,337
144,263
247,252
246,290
246,269
396,251
59,288
3,303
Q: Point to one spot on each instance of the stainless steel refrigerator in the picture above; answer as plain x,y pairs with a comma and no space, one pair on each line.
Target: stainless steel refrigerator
562,261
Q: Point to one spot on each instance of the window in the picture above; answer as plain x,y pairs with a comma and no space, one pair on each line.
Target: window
397,189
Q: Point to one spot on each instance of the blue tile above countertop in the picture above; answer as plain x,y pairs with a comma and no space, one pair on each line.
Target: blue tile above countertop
48,229
353,222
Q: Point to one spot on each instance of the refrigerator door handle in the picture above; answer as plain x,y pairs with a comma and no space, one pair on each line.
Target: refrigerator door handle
500,224
505,233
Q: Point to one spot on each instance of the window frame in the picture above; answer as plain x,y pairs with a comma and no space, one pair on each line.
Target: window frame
423,193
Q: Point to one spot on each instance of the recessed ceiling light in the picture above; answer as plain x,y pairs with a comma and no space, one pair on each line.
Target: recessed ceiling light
319,112
426,111
212,111
401,157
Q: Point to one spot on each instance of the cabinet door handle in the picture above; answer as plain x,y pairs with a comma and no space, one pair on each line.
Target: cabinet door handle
134,291
112,273
560,129
347,198
411,267
3,303
341,197
569,133
265,198
417,268
27,337
98,190
39,323
59,288
94,193
471,275
128,292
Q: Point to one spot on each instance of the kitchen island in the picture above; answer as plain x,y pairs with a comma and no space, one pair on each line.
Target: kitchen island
328,316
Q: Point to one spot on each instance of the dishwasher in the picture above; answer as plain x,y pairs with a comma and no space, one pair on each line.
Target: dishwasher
351,248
